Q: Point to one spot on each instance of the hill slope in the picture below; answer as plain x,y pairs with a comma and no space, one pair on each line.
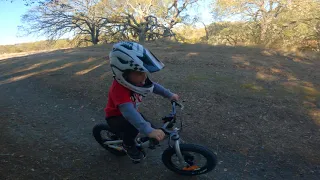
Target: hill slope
258,110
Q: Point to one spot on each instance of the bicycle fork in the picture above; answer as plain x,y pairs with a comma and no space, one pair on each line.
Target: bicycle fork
175,138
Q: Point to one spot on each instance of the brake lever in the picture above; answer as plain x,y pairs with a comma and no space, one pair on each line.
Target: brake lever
180,105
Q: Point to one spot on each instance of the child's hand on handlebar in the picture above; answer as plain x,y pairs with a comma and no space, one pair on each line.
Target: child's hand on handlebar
175,97
157,134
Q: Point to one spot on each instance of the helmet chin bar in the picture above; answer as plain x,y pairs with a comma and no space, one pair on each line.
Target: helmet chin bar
147,83
120,78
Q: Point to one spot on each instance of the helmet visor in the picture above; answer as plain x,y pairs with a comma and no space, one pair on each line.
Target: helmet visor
151,62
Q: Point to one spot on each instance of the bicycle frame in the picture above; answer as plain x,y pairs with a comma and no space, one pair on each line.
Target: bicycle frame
176,146
172,134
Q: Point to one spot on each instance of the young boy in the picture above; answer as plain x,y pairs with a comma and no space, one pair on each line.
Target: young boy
131,64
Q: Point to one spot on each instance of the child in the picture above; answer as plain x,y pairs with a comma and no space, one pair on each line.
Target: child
131,64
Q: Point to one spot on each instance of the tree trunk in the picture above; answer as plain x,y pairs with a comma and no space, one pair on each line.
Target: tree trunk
142,36
207,33
263,31
265,24
95,36
265,27
94,39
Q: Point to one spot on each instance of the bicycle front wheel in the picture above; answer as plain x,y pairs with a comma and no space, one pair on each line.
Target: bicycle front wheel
197,160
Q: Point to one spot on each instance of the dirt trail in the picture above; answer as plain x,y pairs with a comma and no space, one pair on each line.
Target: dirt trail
260,129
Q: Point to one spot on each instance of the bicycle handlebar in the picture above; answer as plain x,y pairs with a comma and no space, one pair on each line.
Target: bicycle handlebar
174,104
164,127
173,114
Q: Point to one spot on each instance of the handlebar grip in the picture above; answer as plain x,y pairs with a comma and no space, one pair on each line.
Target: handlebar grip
165,131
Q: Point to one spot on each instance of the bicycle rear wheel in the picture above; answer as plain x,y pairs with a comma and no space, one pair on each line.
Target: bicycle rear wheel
198,160
102,133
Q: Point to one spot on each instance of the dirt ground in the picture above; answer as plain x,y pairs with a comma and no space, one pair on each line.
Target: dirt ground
258,110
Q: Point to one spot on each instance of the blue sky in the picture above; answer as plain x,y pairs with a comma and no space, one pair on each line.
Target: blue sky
10,15
10,19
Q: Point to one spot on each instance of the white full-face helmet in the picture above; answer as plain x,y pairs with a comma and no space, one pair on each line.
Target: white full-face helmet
131,56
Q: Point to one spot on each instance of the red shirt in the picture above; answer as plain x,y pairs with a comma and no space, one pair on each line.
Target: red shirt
117,95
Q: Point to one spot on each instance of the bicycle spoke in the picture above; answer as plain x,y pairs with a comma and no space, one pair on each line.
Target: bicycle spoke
194,161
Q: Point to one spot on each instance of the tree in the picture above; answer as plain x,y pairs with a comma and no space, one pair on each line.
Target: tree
230,33
187,33
31,2
301,24
261,11
149,19
273,18
197,19
56,18
141,19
